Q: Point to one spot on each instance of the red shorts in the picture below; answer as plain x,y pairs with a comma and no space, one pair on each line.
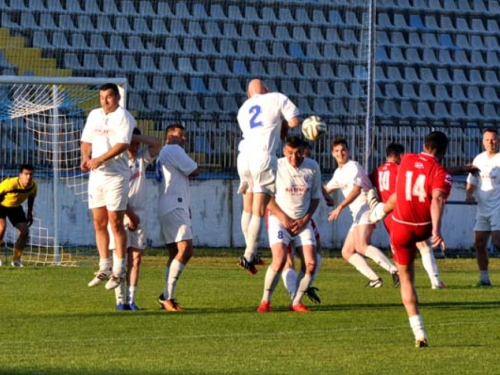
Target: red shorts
404,240
388,223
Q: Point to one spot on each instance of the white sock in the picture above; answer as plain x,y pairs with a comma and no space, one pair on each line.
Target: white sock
252,237
165,290
120,294
175,272
378,257
245,222
430,265
132,290
362,266
289,277
119,265
484,275
301,289
270,282
104,264
319,258
417,326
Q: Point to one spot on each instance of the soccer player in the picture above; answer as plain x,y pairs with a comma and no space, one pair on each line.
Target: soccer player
384,180
263,119
135,215
105,139
13,192
289,275
485,189
354,183
422,187
298,191
173,170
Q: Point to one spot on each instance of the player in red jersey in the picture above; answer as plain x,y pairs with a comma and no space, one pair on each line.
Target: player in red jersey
384,180
422,187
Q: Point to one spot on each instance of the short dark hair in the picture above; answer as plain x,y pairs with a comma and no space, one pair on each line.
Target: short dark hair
136,131
436,140
490,130
339,141
294,142
306,144
26,167
172,127
110,86
394,149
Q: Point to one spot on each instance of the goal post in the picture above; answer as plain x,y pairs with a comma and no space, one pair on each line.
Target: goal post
41,120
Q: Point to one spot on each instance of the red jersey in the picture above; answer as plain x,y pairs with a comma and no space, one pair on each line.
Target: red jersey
384,180
419,175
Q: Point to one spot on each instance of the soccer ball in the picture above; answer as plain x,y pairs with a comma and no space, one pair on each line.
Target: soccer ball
313,128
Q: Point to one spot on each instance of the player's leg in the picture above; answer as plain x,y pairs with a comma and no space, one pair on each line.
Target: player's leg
312,292
120,238
362,242
430,265
481,239
18,220
278,251
100,220
309,261
378,209
133,271
359,262
289,275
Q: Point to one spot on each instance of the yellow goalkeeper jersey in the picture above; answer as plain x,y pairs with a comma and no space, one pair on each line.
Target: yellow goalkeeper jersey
12,194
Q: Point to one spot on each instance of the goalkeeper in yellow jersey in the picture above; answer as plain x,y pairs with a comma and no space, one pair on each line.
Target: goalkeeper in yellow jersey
13,192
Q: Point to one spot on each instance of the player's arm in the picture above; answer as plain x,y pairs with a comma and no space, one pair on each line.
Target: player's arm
195,173
276,210
153,143
117,149
463,169
133,218
328,199
302,222
469,193
86,149
437,205
355,192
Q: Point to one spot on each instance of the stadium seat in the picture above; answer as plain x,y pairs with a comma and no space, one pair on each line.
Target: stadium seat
234,86
490,94
122,25
317,35
234,13
323,89
477,59
457,111
318,17
337,107
492,58
78,42
416,22
292,70
440,110
160,83
129,64
97,42
226,48
141,26
477,25
408,91
302,16
128,8
59,40
116,43
285,15
185,66
425,92
146,9
408,109
462,24
381,54
158,27
394,74
264,32
304,107
73,6
442,92
40,40
71,61
490,112
239,68
459,76
310,71
473,94
190,47
268,15
392,92
299,34
153,103
424,110
443,75
457,93
257,69
444,57
251,14
340,90
295,50
141,83
177,28
202,65
90,62
279,51
491,76
229,104
462,41
413,56
243,48
305,88
473,111
166,65
390,108
491,43
194,29
331,51
410,74
47,22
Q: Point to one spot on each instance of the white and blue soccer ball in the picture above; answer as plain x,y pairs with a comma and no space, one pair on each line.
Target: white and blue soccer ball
313,128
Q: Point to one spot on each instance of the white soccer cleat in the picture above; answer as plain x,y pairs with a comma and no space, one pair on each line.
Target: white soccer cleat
375,283
113,282
16,263
377,214
372,198
100,276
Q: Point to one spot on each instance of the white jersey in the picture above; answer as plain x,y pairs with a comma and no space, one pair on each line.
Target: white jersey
345,178
172,170
296,187
137,183
104,131
260,119
487,185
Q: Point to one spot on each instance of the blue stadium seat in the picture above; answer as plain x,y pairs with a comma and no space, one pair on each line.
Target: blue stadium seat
476,58
444,57
440,110
146,9
59,40
279,50
305,88
141,83
457,93
380,75
73,6
317,35
268,15
408,109
491,76
430,40
304,107
340,90
490,94
275,68
264,32
202,65
84,23
229,104
141,26
104,25
251,14
408,91
40,40
457,111
177,28
97,42
323,89
190,47
462,24
226,48
194,29
158,27
491,43
116,43
413,56
91,7
287,86
357,90
302,16
390,108
425,92
160,83
490,112
424,110
477,25
459,76
473,111
122,25
492,58
90,62
248,31
310,71
473,94
392,91
166,65
234,13
178,84
148,65
257,69
78,42
492,26
281,33
416,22
221,67
193,104
215,85
318,17
240,68
442,92
71,61
128,63
411,74
261,49
185,65
429,56
320,106
396,55
208,48
285,15
334,18
243,48
47,22
181,10
313,52
292,70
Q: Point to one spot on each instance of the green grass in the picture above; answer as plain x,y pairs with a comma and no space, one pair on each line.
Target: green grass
52,323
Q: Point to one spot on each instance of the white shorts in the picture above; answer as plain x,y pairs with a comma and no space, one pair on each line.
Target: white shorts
257,173
278,234
487,223
362,217
175,226
135,239
108,191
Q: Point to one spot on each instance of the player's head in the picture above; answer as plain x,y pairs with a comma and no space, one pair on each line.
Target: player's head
26,174
134,144
307,149
294,151
256,86
490,140
340,150
175,135
436,143
393,151
109,97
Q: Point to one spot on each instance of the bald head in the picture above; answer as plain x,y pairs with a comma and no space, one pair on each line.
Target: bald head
256,86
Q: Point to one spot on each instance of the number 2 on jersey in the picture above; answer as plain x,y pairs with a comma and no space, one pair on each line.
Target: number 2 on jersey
255,111
418,188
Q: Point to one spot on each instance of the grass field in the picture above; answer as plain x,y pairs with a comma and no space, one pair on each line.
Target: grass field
52,323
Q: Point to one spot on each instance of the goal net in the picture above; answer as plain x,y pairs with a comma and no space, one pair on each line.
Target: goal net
41,120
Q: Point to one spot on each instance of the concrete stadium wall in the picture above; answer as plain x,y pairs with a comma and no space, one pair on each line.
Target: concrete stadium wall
216,211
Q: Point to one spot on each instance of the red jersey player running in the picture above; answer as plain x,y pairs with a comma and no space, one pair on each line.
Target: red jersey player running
422,187
384,180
